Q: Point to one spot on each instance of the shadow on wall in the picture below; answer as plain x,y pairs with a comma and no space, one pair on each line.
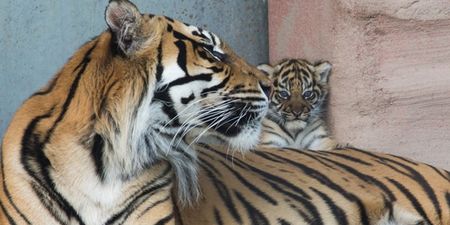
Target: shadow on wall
39,36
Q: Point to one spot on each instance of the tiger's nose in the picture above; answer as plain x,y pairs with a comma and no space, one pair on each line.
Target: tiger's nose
297,113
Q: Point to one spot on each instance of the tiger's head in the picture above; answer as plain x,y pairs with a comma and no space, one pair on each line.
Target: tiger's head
194,84
200,81
127,99
300,88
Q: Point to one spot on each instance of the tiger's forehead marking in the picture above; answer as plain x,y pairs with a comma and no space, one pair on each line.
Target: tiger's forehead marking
200,35
294,75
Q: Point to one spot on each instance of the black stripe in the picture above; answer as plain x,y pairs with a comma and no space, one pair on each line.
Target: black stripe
169,28
313,217
167,108
403,159
252,99
262,173
181,58
349,158
266,156
211,167
415,203
313,155
283,128
276,134
136,202
169,19
215,88
447,198
365,178
239,90
97,156
218,217
258,192
199,34
283,222
151,206
165,220
338,213
10,219
177,212
439,172
32,148
104,100
213,39
324,180
139,197
185,101
6,191
159,65
50,87
48,201
315,126
420,180
255,216
224,194
188,79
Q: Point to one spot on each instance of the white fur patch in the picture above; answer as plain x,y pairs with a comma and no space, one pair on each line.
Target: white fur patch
400,216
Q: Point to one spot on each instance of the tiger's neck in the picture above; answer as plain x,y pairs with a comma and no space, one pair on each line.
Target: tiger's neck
83,151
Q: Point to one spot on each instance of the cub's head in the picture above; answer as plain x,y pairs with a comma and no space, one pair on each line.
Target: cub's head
300,88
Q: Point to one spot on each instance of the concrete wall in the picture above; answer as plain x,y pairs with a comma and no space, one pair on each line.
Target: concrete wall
390,88
38,36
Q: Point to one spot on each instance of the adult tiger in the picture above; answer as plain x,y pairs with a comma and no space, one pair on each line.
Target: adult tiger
295,118
98,145
344,186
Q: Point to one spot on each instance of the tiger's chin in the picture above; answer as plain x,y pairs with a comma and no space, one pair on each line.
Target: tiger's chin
247,139
241,139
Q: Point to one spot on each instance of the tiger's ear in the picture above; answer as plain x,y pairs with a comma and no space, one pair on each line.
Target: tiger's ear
323,71
267,69
124,18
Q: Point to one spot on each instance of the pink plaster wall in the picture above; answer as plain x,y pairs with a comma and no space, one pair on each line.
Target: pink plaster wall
390,87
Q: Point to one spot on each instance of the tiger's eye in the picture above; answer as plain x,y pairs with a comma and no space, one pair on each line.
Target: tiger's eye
215,54
283,94
308,94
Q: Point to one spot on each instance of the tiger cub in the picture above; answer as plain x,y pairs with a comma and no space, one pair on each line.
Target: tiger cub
295,118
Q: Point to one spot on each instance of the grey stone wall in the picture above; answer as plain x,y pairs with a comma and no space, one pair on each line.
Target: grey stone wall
38,36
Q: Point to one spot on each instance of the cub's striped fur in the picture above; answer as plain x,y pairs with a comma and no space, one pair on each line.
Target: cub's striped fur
344,186
101,144
295,117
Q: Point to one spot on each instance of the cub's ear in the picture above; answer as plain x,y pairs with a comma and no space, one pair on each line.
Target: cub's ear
124,18
267,69
323,71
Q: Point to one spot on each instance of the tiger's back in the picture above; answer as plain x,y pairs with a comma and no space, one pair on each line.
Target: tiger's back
346,186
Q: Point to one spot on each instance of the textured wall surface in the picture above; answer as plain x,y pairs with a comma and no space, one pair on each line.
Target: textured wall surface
37,37
390,88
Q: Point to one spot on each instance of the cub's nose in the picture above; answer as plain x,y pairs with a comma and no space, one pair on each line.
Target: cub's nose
297,113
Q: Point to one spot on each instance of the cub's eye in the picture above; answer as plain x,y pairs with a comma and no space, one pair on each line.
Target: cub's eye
219,56
283,94
308,95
